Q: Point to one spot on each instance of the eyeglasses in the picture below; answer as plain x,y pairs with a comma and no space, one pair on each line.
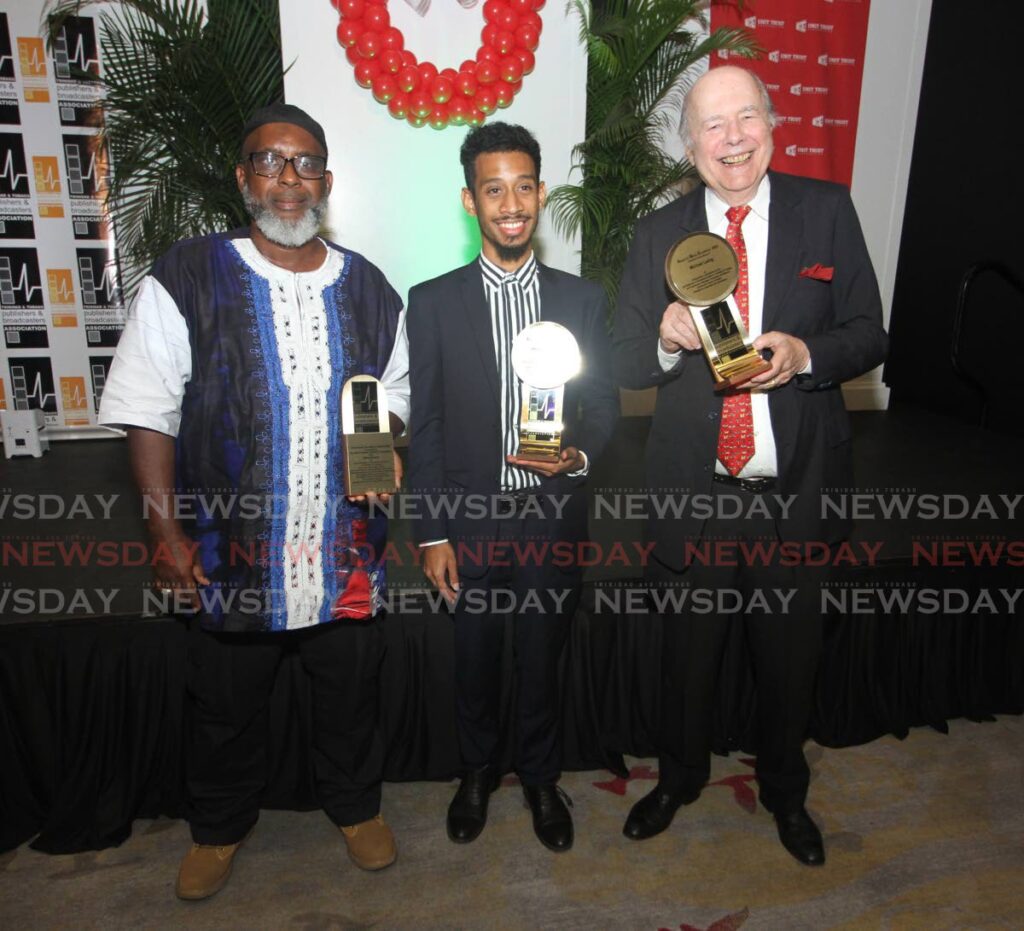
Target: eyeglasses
270,165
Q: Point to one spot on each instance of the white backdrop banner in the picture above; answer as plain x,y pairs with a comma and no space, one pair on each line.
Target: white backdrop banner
60,298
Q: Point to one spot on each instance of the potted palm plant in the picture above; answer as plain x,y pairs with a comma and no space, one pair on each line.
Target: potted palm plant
638,55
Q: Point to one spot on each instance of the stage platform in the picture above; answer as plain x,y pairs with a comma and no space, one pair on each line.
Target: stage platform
91,717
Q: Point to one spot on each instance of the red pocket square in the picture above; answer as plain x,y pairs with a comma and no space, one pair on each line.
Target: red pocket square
818,272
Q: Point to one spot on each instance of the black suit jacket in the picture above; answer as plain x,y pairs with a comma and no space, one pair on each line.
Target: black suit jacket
840,321
455,445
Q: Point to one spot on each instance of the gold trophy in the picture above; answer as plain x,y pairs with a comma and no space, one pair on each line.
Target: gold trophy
544,356
702,271
366,433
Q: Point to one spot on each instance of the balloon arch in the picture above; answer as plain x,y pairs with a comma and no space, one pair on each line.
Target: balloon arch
416,91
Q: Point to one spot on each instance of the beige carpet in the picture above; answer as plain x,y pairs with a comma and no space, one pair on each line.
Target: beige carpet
923,833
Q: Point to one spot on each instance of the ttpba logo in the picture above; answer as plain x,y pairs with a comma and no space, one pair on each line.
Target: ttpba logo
802,25
98,280
20,284
75,56
86,165
32,384
13,167
6,51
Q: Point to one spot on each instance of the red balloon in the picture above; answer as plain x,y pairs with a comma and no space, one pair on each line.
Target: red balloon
384,88
526,59
476,118
365,72
414,119
438,118
427,70
503,42
353,9
487,72
408,59
486,53
398,106
390,61
488,34
458,110
521,7
465,84
468,65
528,37
532,20
508,19
504,93
393,39
420,103
441,89
449,73
493,9
376,18
486,99
353,56
538,4
348,32
511,69
408,79
368,44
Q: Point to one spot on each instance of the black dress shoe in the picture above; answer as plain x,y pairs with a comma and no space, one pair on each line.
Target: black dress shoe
801,837
552,822
467,813
655,811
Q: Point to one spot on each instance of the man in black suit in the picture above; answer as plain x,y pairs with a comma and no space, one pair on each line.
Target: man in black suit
512,519
768,451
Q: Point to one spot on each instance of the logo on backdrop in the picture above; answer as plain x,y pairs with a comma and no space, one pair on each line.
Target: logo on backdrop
21,299
100,289
32,386
15,206
9,114
76,66
99,368
86,168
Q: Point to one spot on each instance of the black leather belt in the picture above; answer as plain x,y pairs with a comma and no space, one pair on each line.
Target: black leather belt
753,485
512,503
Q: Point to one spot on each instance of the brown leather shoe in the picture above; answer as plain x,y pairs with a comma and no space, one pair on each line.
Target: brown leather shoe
371,844
204,870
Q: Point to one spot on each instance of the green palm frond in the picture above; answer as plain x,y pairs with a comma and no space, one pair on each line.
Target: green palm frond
180,78
638,55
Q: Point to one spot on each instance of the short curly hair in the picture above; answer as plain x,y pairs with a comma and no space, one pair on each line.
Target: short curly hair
496,137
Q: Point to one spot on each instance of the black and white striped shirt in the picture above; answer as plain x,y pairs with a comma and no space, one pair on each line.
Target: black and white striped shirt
514,299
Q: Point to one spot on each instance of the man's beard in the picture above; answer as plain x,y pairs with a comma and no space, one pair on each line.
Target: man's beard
290,233
512,253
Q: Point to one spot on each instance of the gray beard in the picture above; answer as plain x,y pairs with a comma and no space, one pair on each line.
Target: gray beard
290,233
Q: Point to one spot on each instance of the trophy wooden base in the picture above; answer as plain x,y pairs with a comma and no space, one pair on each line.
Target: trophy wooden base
739,371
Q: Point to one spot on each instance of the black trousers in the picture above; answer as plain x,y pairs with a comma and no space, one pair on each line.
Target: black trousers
781,615
542,599
230,678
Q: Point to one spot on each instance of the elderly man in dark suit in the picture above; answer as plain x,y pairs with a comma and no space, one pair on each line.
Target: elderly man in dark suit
507,512
770,449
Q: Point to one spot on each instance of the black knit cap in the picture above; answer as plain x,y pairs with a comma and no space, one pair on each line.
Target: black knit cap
285,113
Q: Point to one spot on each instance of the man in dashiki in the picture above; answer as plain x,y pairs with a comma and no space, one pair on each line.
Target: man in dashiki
228,380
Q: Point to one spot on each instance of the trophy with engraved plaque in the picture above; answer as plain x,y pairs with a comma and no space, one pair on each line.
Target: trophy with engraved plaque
544,357
366,435
702,271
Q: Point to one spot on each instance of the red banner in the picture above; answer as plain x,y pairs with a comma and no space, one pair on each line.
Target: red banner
813,64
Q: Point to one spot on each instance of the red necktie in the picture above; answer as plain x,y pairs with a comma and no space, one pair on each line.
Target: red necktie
736,434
